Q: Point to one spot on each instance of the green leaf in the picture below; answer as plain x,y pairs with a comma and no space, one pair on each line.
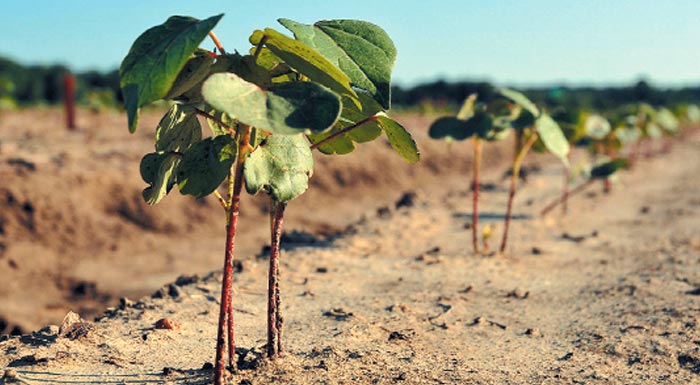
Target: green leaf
604,170
450,127
628,134
362,50
281,166
304,60
667,120
400,139
521,100
158,170
351,115
597,127
192,74
245,67
178,130
552,137
205,165
156,58
286,108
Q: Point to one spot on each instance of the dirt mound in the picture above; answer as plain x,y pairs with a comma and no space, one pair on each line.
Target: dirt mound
605,295
71,210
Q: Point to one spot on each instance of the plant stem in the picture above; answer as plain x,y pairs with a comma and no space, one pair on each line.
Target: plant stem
274,318
342,132
573,192
226,324
567,179
478,143
218,121
217,43
221,199
517,162
256,54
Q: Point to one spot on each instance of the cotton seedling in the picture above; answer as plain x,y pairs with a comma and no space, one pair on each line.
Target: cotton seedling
262,108
532,125
480,121
601,171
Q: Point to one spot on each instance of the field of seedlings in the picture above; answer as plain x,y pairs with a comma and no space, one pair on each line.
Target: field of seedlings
265,217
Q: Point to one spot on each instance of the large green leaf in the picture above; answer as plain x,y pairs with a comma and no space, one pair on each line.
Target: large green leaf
205,165
286,108
449,127
281,166
400,139
521,100
362,50
194,72
606,169
552,137
305,60
156,58
158,170
178,130
352,115
245,67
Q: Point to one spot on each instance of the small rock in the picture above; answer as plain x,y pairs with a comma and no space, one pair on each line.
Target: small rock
397,335
536,250
50,330
533,332
518,293
159,294
207,366
383,212
10,376
406,200
338,314
168,324
566,357
125,303
74,327
184,280
322,270
174,291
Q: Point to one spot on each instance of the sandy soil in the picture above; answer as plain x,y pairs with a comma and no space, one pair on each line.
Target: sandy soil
605,295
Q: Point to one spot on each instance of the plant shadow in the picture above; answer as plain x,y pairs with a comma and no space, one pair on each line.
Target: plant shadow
492,216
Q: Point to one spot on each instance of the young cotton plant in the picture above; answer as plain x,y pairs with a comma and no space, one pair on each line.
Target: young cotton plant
267,110
480,121
532,126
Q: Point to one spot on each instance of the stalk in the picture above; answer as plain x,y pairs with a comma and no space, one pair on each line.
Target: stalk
274,318
226,324
517,162
478,143
573,192
565,192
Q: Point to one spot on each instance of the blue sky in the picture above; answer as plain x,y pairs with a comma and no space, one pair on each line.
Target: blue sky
509,42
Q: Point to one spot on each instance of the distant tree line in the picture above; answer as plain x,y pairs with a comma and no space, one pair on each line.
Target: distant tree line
39,84
594,98
43,84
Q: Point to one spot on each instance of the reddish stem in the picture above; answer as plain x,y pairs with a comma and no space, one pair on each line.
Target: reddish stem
217,43
226,321
342,132
517,162
573,192
274,318
475,195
